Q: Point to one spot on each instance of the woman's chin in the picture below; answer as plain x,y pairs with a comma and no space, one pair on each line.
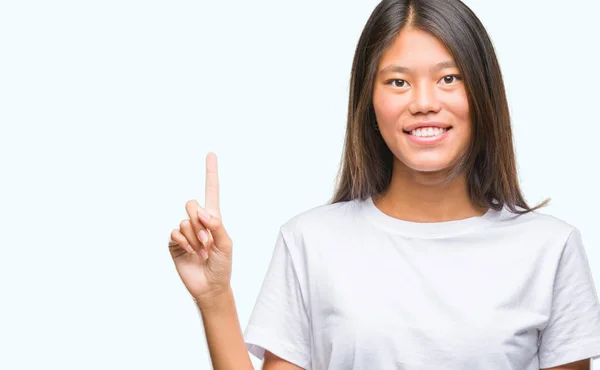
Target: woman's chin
428,166
431,169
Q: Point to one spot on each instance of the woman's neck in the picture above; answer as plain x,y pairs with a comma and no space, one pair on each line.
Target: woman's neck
424,197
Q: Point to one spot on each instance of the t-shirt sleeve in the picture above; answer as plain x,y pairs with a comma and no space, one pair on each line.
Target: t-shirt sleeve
279,321
573,330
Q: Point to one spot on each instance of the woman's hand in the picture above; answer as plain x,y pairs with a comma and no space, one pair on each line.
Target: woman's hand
201,248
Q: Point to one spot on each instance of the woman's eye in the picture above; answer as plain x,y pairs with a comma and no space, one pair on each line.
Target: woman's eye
451,78
393,83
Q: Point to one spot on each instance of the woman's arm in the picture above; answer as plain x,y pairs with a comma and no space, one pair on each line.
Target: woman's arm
225,340
577,365
224,334
273,362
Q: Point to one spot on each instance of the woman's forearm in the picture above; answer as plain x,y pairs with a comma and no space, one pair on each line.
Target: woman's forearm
224,334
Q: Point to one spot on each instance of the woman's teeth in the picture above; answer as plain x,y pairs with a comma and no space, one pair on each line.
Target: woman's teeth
428,131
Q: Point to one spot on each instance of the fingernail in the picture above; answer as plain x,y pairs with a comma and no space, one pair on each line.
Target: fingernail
204,215
203,254
203,236
190,249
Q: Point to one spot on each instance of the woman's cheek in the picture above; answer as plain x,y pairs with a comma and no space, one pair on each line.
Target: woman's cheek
389,109
459,105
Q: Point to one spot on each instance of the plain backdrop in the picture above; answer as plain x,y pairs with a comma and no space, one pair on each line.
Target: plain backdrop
108,109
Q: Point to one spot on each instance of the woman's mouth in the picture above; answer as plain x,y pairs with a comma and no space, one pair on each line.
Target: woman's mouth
428,135
428,131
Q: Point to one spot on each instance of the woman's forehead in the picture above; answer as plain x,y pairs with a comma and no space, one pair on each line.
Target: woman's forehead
415,49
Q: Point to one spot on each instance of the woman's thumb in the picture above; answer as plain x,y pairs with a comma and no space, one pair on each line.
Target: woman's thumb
215,225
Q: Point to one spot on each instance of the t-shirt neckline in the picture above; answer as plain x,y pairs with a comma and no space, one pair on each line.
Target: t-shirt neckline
426,229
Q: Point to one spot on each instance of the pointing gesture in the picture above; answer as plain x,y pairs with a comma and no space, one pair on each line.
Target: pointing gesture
211,190
201,248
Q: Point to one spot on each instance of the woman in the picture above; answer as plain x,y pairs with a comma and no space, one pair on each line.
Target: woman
428,256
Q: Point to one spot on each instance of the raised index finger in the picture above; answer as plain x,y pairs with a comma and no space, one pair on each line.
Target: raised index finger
212,184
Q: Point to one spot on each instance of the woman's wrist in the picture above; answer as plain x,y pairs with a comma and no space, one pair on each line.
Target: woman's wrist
214,301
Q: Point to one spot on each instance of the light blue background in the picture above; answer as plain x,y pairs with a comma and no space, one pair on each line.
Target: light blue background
108,108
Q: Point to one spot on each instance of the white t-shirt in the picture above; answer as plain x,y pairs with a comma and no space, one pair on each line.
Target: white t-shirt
349,287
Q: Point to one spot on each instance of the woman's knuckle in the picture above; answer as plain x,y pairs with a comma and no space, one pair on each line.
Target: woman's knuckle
184,224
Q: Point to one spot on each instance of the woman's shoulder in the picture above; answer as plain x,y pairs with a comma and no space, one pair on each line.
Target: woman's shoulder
538,221
328,216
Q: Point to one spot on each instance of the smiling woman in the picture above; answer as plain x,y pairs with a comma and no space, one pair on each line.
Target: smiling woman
427,256
420,67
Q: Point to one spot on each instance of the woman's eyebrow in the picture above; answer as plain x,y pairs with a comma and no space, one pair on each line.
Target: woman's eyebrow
401,69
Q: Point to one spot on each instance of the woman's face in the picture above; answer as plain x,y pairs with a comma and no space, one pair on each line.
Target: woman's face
420,103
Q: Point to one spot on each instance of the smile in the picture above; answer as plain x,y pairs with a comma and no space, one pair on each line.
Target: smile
428,131
428,135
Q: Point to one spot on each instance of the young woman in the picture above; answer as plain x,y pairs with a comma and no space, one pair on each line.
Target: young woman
428,256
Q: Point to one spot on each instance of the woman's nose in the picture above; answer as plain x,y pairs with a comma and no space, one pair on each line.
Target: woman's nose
424,100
